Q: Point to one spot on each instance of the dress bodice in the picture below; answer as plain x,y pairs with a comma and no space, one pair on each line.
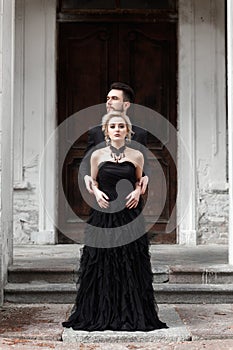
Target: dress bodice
110,175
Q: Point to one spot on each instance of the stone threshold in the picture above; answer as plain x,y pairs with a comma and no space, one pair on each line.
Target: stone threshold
177,332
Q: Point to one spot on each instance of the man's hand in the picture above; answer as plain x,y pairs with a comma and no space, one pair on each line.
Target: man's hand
133,198
89,183
143,183
101,198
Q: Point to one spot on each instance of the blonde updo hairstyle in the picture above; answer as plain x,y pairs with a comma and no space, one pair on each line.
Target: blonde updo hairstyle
106,119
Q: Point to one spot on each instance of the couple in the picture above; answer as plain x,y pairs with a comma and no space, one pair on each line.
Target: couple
115,283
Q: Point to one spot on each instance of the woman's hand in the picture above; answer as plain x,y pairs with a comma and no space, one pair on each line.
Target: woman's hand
101,198
133,198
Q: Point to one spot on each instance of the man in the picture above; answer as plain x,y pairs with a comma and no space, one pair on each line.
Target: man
119,98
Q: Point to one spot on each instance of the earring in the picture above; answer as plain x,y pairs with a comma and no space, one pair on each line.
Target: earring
127,139
108,141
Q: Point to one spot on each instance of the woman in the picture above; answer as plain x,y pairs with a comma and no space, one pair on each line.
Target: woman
115,291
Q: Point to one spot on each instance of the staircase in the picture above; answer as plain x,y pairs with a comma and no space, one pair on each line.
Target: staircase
51,277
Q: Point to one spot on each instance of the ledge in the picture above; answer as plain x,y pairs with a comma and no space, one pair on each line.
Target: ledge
24,185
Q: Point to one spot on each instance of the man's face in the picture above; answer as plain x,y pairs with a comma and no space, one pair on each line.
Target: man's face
115,101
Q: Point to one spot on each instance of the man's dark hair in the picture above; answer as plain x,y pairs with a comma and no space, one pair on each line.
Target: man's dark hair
128,93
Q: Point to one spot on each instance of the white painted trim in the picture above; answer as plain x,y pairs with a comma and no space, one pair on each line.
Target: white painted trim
230,121
19,90
47,184
43,237
186,125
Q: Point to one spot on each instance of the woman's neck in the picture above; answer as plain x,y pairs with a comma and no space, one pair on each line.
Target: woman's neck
118,144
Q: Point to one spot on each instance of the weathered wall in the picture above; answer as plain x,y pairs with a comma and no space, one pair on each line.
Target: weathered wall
34,119
28,117
213,217
210,110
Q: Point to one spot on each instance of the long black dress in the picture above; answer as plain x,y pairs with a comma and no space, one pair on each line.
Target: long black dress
115,284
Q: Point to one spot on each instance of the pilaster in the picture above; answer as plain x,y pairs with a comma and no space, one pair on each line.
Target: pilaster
186,126
47,186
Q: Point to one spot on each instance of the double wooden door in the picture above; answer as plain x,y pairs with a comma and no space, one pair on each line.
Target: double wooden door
90,57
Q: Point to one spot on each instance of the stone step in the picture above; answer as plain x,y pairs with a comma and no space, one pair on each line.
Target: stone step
180,274
18,274
40,292
201,274
165,293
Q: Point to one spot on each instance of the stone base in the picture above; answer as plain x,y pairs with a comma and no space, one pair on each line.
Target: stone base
176,332
43,237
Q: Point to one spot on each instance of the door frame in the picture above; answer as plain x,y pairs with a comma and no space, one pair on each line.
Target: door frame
69,30
186,224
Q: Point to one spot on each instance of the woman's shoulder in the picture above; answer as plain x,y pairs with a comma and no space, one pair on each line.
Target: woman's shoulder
135,154
99,152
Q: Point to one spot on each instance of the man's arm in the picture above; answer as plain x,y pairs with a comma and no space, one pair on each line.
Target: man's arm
84,169
141,140
88,152
95,137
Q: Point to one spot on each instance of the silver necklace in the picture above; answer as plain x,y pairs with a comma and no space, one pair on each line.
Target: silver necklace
117,153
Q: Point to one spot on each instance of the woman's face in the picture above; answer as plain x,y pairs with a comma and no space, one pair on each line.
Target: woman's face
117,128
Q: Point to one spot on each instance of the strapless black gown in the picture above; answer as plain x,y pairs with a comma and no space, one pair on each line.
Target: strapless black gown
115,283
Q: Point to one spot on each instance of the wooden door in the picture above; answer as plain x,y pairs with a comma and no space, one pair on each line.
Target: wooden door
93,55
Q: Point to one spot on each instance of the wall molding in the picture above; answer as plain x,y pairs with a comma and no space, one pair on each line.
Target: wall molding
186,212
19,90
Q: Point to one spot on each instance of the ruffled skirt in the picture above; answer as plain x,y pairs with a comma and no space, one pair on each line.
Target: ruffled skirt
115,290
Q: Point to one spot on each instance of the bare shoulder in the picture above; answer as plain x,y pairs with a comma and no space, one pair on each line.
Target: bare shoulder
136,155
139,155
97,154
140,158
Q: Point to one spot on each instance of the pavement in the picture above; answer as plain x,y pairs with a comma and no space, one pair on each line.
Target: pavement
191,326
38,326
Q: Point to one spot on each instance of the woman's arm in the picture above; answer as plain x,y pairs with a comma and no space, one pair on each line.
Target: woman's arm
101,197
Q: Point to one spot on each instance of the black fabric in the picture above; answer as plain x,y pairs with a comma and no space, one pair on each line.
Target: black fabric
115,284
96,139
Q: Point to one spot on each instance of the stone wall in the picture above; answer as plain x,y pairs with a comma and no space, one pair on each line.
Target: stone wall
26,205
34,119
202,122
210,115
213,217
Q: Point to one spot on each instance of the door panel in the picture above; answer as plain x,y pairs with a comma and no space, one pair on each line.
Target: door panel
92,56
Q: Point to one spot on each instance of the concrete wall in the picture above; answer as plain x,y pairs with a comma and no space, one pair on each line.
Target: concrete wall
35,119
210,110
28,115
202,120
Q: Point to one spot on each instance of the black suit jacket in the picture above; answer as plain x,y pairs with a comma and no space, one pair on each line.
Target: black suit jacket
96,138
